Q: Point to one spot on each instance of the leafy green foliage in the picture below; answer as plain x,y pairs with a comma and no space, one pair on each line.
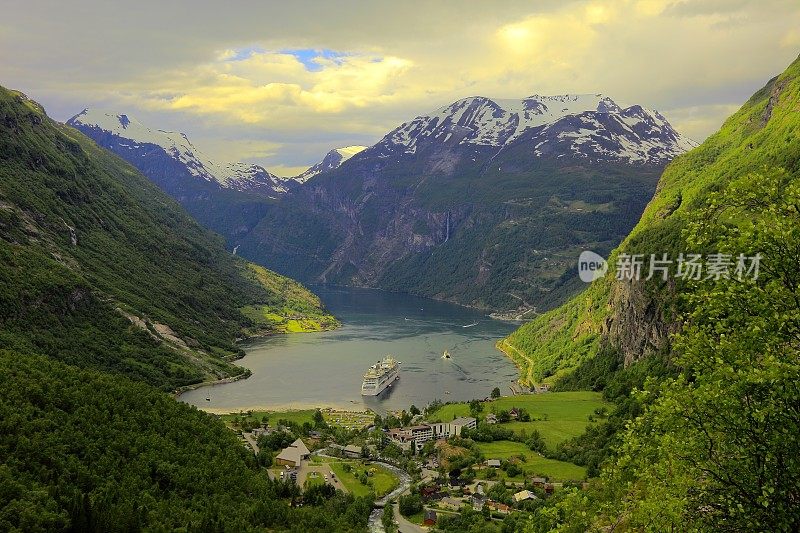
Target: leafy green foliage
410,504
387,519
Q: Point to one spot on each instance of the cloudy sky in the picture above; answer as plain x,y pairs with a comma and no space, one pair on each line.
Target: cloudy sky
281,83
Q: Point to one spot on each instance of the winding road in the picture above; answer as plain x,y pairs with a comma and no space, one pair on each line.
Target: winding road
405,526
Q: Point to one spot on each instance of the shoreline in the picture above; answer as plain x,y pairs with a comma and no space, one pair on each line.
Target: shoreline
186,388
283,408
268,334
504,347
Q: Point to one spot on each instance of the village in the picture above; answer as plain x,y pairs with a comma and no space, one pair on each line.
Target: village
431,466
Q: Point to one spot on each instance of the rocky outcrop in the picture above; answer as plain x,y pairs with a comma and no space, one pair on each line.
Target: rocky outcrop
639,324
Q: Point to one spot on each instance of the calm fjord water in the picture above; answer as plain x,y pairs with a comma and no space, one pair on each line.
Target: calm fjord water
325,369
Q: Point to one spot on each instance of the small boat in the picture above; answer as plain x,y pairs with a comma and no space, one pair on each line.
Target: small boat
208,398
470,325
446,355
447,392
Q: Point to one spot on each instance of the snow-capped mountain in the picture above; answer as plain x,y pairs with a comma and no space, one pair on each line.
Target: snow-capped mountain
483,202
590,126
132,140
331,161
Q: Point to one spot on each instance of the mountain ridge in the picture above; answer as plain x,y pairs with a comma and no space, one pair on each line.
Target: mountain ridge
500,122
441,207
332,160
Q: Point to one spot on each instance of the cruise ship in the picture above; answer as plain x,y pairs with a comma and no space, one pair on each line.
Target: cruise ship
380,376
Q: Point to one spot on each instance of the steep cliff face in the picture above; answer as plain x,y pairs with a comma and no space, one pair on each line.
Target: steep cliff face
636,318
640,323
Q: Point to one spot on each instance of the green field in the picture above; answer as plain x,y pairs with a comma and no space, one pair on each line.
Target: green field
557,416
383,481
299,416
346,419
534,464
312,481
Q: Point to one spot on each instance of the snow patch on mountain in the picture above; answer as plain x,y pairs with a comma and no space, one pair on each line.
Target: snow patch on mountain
133,135
332,160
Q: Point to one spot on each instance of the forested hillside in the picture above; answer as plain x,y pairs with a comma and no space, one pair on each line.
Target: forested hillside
99,268
84,451
709,441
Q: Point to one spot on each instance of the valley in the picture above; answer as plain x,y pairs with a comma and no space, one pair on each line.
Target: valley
287,268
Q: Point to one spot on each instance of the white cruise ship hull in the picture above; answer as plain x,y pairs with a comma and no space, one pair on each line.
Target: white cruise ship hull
369,390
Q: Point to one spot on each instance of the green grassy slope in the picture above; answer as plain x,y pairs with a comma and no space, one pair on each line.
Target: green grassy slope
99,268
533,464
634,319
297,309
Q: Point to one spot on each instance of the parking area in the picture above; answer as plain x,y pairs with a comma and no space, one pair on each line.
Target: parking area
312,471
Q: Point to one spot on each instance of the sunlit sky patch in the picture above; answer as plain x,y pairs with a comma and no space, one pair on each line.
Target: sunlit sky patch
310,58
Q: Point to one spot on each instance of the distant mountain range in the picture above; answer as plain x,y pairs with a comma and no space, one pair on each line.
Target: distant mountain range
117,276
483,202
173,158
